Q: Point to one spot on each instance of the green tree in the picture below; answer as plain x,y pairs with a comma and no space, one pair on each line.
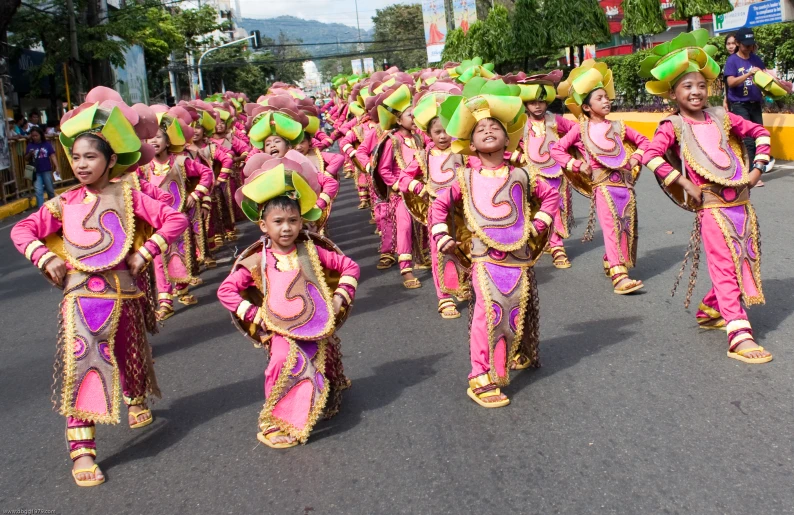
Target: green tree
776,45
530,38
455,46
497,38
399,36
688,9
642,18
575,23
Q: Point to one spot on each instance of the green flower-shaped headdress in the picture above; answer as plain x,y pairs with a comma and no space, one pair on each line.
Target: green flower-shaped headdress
686,53
482,99
278,115
772,87
470,68
583,80
268,177
428,106
387,106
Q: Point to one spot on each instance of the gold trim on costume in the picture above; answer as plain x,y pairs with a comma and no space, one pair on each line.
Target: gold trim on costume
439,229
158,240
349,280
343,293
763,140
32,247
242,309
44,259
755,265
619,269
735,325
569,164
413,184
544,217
762,157
655,163
201,189
144,252
76,434
405,257
671,177
82,451
325,197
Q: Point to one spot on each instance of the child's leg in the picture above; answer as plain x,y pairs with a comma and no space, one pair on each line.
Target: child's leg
80,439
279,349
616,248
479,380
132,365
404,241
165,303
446,306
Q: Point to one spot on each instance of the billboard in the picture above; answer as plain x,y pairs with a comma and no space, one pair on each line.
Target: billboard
130,80
753,13
465,13
357,67
434,16
369,65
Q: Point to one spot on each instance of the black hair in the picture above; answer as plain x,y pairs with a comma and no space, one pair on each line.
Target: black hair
432,121
99,144
39,130
19,117
281,202
586,101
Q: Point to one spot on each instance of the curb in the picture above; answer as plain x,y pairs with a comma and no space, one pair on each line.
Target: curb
18,206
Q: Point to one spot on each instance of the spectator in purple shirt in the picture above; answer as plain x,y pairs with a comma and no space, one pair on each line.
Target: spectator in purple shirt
744,97
41,154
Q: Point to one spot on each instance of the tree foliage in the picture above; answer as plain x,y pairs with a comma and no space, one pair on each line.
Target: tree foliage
776,45
573,23
530,37
399,34
686,9
643,17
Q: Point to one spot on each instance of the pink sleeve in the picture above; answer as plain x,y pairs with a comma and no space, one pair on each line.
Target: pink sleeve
747,129
386,164
239,146
150,190
254,151
410,173
168,223
329,186
346,144
440,209
333,163
35,227
663,141
559,151
195,168
223,157
549,202
229,290
366,148
564,125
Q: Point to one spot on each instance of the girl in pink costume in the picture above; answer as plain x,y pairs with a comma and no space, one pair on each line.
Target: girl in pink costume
188,181
498,202
432,172
610,153
90,241
699,160
542,131
280,295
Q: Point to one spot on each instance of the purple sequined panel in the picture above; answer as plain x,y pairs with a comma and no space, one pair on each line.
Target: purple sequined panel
95,312
614,161
514,318
173,189
511,234
320,317
738,174
620,196
738,217
109,224
554,182
497,313
308,348
300,362
505,278
320,381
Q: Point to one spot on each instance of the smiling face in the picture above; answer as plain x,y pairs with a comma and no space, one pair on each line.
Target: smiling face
89,163
597,103
488,137
198,133
537,108
220,127
159,142
282,222
691,93
276,146
439,135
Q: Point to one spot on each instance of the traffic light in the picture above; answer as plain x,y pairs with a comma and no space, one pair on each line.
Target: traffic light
256,42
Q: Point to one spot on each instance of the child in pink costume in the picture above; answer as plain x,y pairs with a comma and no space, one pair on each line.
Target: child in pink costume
611,151
698,151
506,238
103,349
279,295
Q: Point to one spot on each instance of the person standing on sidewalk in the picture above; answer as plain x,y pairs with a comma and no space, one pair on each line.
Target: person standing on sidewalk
745,98
41,154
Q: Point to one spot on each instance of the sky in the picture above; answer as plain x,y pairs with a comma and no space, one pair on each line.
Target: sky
327,11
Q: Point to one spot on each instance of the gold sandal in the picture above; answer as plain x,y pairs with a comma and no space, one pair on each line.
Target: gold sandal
478,392
164,312
136,416
519,362
87,482
560,258
266,435
386,261
187,299
412,284
739,354
447,309
619,274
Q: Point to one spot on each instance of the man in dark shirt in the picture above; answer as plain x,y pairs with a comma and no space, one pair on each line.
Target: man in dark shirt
744,97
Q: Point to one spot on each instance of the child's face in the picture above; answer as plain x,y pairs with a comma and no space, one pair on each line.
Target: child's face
537,108
35,137
439,135
304,146
691,92
88,163
198,133
730,45
276,146
159,142
488,137
220,127
599,103
406,119
282,226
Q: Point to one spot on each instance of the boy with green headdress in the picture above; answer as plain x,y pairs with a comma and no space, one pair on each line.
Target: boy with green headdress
508,213
699,160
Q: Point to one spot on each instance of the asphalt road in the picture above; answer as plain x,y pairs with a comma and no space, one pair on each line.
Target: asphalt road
634,411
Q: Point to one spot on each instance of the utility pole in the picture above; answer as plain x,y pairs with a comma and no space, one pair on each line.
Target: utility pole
74,55
449,14
360,46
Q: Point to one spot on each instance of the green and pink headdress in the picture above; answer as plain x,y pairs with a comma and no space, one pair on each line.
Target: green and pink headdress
470,68
207,116
386,107
106,115
771,86
428,105
533,88
268,177
582,81
175,123
483,99
686,53
279,115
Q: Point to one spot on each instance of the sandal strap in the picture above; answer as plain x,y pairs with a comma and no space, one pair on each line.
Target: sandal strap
91,470
742,352
619,269
616,279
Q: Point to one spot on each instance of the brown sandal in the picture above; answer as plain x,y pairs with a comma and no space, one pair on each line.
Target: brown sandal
386,261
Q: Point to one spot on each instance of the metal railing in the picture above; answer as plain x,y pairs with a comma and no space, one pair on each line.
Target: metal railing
14,184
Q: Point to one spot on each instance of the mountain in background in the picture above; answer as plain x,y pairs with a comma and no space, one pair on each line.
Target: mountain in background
309,31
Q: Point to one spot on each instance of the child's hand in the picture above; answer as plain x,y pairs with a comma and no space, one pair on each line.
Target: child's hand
56,269
449,247
755,176
632,164
190,202
136,263
586,170
337,304
693,191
